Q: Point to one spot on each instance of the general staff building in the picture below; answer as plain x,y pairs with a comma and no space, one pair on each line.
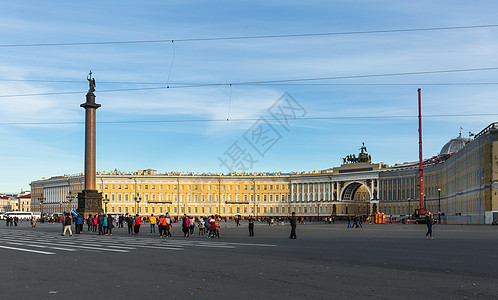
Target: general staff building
461,184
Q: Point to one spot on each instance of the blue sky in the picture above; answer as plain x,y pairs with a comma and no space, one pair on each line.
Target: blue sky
42,135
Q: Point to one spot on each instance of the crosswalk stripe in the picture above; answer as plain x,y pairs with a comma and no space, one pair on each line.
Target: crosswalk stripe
26,250
92,248
40,246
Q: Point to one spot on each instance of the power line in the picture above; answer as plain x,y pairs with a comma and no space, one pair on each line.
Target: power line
265,82
250,37
254,119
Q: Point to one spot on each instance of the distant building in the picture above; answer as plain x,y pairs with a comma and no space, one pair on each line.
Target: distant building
461,182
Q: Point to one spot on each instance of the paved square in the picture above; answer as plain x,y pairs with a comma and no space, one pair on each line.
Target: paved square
327,261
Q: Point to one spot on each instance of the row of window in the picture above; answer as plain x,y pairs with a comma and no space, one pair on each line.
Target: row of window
215,209
119,197
194,187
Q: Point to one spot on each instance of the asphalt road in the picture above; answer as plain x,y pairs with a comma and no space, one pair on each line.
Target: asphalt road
326,261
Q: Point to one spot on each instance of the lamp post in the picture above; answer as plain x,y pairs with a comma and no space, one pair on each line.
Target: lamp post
105,200
137,201
409,208
439,205
42,200
69,198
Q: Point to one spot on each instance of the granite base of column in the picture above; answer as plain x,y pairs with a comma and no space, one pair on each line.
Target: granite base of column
89,202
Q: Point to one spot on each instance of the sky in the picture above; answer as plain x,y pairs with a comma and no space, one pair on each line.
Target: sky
211,119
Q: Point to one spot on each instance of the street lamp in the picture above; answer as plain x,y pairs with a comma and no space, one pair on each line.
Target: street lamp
69,200
41,199
439,205
409,208
137,201
105,200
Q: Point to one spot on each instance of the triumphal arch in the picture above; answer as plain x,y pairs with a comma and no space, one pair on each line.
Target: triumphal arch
352,188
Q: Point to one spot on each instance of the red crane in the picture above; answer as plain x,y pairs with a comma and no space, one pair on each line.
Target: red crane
422,210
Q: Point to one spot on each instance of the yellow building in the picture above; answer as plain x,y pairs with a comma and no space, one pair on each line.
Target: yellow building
461,182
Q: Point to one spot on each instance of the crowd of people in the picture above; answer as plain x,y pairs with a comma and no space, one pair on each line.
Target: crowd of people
208,226
103,224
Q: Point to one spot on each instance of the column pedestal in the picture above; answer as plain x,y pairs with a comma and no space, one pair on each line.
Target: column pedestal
89,202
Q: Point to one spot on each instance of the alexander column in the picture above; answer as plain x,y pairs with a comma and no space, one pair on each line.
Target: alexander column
90,200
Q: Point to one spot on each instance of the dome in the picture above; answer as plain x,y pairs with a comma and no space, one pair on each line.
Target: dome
454,145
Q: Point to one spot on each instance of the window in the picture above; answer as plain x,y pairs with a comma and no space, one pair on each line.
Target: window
112,186
153,187
119,186
146,186
126,186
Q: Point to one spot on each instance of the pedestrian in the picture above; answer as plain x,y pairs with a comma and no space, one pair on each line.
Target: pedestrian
95,223
186,226
212,227
16,220
206,225
105,223
153,222
169,224
251,225
161,221
110,219
201,226
138,221
67,225
89,222
293,224
217,224
429,220
129,222
79,224
100,223
192,226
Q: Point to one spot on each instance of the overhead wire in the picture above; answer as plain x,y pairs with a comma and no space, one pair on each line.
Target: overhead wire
256,119
269,82
250,37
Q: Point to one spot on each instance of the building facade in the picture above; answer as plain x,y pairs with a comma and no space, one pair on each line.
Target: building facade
461,183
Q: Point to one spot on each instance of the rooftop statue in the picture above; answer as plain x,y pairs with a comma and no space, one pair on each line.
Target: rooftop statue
363,157
91,83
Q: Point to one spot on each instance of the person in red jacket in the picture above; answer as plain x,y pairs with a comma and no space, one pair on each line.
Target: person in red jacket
138,221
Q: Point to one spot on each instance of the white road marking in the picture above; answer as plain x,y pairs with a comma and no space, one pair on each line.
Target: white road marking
40,246
26,250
